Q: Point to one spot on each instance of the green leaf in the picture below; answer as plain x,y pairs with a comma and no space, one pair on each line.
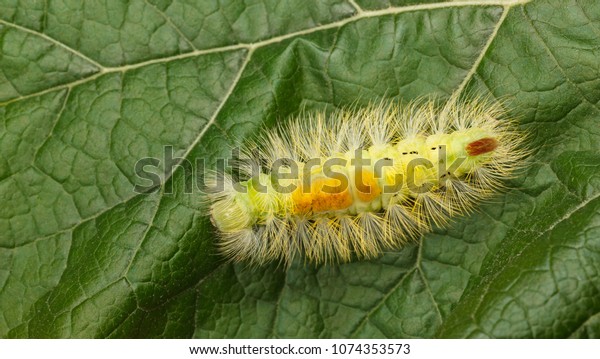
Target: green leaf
87,89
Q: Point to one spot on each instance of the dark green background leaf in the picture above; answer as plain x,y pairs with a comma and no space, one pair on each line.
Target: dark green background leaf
89,88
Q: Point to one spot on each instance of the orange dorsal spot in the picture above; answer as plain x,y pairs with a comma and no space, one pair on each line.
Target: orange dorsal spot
302,201
367,188
481,146
326,194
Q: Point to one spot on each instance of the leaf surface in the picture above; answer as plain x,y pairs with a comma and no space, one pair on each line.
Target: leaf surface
87,89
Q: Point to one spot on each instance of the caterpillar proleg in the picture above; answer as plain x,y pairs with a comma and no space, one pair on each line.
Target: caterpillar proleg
361,181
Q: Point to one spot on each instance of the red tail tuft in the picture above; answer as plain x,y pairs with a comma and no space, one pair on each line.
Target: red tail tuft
481,146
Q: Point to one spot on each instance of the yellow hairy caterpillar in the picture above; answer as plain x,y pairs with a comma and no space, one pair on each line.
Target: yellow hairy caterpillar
357,182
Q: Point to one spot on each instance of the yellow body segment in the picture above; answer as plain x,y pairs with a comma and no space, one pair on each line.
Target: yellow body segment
367,187
325,194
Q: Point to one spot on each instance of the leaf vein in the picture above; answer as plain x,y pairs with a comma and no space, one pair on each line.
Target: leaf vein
276,39
168,20
53,41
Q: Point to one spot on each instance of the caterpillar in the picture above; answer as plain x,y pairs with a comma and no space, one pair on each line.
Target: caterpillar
361,181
